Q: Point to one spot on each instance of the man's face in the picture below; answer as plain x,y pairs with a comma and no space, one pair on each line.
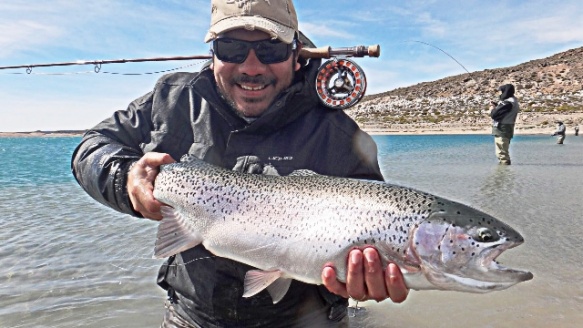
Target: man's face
250,87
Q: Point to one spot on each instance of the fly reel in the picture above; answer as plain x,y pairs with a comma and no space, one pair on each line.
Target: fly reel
340,83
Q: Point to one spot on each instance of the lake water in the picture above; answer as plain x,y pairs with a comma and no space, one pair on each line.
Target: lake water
67,261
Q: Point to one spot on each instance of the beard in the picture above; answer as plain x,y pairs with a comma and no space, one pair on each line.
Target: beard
236,81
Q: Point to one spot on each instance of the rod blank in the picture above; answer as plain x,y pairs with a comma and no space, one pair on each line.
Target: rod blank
321,52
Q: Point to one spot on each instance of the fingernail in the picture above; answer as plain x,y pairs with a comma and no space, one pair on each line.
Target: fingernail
391,270
355,258
327,273
369,257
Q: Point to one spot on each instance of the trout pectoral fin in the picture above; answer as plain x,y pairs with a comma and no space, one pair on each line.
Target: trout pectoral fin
257,280
174,235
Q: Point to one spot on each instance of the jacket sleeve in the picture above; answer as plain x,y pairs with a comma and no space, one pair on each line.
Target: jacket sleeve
101,161
501,110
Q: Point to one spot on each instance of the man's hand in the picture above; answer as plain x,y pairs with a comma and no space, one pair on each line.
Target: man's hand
140,184
366,279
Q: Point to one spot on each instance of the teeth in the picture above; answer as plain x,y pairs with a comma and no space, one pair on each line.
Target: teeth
250,88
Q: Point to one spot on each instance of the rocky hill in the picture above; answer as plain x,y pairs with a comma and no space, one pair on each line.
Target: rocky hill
548,89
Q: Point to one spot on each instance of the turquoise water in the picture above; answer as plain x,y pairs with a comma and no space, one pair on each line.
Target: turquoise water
36,161
67,261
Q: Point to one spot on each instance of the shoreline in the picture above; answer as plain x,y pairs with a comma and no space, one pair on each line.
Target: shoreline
400,130
72,133
526,124
412,130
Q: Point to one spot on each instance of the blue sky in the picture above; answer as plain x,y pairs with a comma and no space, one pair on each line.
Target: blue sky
479,34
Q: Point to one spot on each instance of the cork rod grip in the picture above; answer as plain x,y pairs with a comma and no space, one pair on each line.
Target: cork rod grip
328,52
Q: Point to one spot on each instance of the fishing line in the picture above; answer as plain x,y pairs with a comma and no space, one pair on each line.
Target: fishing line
70,73
158,72
98,70
450,56
157,265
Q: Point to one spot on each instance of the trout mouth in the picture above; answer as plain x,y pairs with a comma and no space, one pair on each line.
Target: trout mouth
498,273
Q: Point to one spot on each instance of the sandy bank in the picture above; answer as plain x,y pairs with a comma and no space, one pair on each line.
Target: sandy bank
413,130
397,130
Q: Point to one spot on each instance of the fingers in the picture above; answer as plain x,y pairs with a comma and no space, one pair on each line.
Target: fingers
332,284
374,276
140,184
398,291
355,281
366,279
153,159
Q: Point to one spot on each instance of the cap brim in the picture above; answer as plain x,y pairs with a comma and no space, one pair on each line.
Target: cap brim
282,32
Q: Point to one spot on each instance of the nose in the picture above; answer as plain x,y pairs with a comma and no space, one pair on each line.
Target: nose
252,66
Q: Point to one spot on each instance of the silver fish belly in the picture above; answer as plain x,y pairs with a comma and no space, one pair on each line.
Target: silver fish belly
290,227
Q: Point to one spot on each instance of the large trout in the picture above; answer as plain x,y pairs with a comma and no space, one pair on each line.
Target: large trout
289,227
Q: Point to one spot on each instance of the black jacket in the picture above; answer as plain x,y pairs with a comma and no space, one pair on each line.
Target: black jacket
184,114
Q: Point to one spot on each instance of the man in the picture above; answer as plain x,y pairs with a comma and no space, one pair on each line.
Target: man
560,132
253,106
504,115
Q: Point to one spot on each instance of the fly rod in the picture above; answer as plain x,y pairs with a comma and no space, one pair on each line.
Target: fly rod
321,52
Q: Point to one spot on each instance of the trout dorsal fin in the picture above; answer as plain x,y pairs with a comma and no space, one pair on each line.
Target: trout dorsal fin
174,235
258,280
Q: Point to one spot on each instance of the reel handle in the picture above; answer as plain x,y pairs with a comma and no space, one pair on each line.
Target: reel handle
329,52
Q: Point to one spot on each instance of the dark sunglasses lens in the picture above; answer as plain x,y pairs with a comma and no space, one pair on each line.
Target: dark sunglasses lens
270,52
231,51
236,51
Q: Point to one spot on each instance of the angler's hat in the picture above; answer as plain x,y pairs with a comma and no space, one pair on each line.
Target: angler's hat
275,17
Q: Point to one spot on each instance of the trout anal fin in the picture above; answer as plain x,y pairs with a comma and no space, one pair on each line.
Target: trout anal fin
257,280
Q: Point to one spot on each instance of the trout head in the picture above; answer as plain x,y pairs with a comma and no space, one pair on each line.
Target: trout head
457,247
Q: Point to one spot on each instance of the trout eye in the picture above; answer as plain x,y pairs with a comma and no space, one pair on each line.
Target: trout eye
485,235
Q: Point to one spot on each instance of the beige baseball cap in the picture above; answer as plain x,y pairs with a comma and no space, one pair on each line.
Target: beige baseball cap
275,17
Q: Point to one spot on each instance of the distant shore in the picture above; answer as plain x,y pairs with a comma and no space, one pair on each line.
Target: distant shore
397,130
59,133
423,130
526,124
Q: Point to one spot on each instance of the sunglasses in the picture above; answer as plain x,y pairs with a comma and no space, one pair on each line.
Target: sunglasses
267,51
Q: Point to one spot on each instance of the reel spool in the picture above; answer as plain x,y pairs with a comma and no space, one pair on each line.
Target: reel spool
340,83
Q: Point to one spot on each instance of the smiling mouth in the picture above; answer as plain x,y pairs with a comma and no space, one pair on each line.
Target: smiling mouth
253,88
